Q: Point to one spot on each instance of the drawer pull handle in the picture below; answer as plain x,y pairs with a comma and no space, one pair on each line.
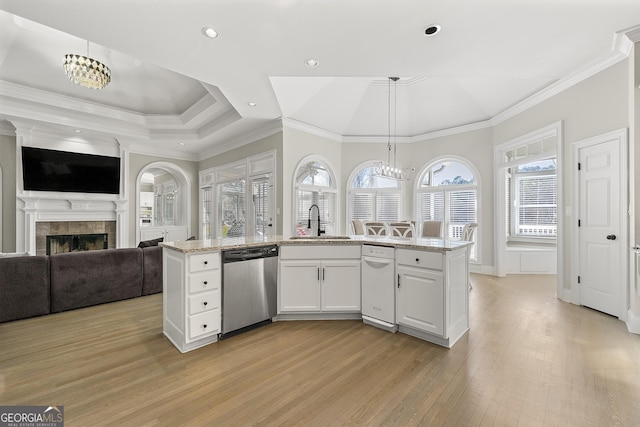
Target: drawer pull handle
205,283
205,303
206,262
417,259
204,326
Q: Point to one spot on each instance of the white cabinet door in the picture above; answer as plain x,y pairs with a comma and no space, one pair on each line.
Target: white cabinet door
176,234
420,299
340,285
299,288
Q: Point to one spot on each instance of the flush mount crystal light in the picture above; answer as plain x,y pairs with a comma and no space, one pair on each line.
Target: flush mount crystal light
389,169
86,71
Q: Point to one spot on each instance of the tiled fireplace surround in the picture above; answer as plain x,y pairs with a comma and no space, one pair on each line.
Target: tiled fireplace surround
51,228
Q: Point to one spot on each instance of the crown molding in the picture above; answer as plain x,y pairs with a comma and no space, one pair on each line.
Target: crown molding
620,50
313,130
271,127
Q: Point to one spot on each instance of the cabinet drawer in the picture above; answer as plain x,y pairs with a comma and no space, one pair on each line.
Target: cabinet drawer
202,324
204,302
205,281
320,251
202,262
422,259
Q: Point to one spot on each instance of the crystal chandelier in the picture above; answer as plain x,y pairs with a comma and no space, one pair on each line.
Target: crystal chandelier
389,169
86,71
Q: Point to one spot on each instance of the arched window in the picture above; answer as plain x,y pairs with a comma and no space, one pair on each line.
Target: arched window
315,184
373,198
447,191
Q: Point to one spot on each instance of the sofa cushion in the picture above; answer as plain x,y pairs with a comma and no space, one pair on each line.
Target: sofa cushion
151,270
24,287
81,279
152,242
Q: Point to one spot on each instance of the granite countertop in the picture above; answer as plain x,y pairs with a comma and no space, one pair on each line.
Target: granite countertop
428,244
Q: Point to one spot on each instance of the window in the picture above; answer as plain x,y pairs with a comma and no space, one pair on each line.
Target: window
241,195
530,187
374,198
315,185
447,191
532,200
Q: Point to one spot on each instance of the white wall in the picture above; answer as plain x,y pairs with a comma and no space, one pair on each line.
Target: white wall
592,107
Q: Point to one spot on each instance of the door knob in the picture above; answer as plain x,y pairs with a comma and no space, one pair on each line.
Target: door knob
611,237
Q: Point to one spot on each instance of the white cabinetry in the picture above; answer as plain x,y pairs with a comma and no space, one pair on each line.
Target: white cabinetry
432,294
169,234
191,298
319,279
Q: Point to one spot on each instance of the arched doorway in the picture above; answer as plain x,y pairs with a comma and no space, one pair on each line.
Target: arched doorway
163,200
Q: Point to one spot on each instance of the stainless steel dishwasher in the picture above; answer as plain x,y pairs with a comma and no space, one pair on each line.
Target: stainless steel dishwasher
249,288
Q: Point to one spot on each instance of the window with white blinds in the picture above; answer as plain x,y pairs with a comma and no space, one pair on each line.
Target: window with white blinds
315,185
532,200
373,198
448,193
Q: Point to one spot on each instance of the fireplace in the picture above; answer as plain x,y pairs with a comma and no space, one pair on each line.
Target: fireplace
70,236
61,243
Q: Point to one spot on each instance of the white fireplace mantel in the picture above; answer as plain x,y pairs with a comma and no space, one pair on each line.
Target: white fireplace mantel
62,207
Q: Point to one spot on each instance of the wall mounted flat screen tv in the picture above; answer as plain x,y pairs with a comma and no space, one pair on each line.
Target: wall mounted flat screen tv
52,170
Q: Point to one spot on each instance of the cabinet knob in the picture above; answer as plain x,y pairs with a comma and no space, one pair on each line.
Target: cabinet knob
204,326
205,303
205,283
417,259
206,262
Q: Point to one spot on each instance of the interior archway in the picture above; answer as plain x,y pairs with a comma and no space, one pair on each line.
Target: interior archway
163,200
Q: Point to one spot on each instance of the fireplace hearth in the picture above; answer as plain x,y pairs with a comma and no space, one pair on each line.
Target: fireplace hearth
76,242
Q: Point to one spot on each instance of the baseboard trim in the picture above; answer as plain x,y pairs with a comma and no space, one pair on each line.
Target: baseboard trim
633,323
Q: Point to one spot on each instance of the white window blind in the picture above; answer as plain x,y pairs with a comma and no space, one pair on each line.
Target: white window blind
462,210
388,207
326,201
362,206
536,205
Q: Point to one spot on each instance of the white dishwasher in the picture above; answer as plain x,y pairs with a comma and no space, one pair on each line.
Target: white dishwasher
378,287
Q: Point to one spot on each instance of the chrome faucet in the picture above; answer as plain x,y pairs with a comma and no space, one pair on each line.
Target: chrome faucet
319,230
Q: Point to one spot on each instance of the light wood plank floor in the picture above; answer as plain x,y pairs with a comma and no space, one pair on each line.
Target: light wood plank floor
528,359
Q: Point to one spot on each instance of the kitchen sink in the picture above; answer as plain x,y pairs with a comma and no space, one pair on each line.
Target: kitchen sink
321,237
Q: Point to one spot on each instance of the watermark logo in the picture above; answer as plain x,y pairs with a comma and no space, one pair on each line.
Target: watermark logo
31,416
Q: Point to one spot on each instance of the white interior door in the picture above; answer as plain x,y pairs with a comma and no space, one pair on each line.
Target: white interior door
601,230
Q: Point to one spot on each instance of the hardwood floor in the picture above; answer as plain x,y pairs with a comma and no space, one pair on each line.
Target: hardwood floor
528,359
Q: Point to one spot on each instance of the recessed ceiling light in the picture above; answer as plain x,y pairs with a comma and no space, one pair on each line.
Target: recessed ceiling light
78,131
432,30
311,63
181,143
209,32
251,104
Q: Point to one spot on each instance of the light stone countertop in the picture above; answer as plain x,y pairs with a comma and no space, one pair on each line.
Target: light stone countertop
427,244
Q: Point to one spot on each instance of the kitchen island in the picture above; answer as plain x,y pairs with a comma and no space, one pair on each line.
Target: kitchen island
319,278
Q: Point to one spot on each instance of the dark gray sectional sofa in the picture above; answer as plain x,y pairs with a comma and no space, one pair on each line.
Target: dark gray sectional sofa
37,285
